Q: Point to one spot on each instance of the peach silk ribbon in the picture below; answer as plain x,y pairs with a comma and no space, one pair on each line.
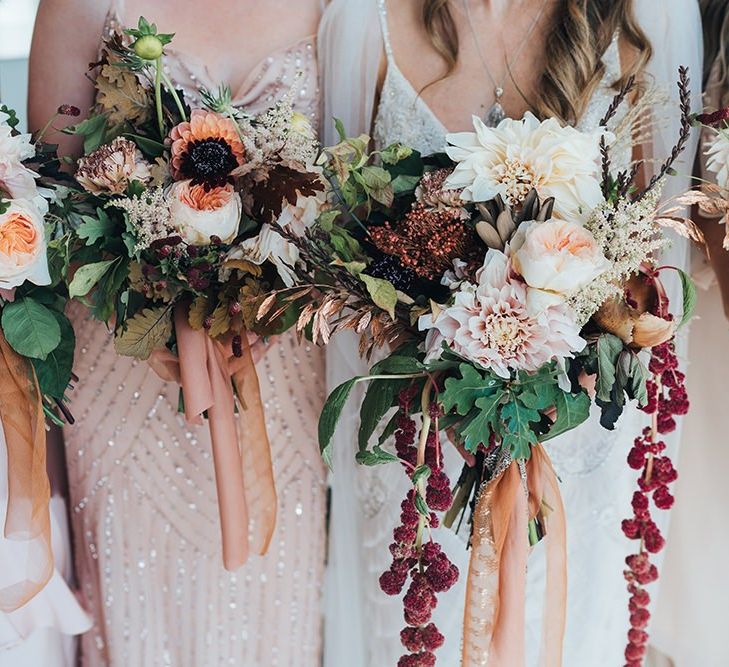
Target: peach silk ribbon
494,622
211,378
29,492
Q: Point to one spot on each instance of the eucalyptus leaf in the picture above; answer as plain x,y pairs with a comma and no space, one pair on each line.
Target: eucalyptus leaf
380,397
87,276
689,297
572,410
382,292
330,414
609,348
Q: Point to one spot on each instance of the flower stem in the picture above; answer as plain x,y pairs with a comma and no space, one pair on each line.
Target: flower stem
175,96
158,96
424,432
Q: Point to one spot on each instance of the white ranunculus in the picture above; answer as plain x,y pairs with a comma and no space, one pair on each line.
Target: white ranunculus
557,256
22,246
197,214
518,155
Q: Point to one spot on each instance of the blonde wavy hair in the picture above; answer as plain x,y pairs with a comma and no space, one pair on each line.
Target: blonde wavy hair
579,38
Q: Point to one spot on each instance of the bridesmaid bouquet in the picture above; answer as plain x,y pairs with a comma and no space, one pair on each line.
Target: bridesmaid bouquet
169,240
515,281
33,324
36,343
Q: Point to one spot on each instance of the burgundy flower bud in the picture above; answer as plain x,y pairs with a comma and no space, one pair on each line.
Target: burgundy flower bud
636,458
411,639
431,637
634,651
69,110
663,498
237,346
636,636
234,309
208,323
639,618
631,529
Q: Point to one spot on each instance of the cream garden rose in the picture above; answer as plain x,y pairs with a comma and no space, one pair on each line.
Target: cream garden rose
518,155
15,178
22,246
556,256
198,214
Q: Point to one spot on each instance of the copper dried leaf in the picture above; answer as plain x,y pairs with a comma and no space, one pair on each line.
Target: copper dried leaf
266,306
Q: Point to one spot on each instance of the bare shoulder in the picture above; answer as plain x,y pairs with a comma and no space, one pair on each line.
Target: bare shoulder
66,40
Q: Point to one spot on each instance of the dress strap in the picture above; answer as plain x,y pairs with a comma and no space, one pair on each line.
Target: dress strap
382,6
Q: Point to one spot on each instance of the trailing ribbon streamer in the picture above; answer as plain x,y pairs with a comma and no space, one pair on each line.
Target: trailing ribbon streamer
211,378
494,619
29,492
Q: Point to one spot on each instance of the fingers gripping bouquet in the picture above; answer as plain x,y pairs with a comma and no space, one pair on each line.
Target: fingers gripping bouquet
36,344
170,242
503,276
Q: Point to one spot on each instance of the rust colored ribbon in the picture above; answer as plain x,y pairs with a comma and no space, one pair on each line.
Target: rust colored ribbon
29,493
494,621
211,377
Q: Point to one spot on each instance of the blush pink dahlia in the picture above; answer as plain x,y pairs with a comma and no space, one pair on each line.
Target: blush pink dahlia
497,325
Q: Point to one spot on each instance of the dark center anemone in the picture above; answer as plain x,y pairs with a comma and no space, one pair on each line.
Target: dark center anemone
208,162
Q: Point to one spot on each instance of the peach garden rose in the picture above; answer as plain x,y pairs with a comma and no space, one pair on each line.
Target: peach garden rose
557,256
198,214
22,246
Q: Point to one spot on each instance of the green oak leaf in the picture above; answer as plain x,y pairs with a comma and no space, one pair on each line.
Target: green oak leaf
94,228
518,434
484,420
462,393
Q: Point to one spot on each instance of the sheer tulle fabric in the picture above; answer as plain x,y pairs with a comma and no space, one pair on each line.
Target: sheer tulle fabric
27,522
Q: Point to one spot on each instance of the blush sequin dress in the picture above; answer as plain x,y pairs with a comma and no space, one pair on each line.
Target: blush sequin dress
143,501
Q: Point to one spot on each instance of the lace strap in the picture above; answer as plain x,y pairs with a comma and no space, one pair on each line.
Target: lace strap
382,6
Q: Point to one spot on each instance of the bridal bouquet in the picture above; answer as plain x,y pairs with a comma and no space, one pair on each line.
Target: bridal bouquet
170,241
515,281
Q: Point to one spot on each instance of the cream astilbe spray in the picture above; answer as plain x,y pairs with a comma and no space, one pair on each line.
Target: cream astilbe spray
414,557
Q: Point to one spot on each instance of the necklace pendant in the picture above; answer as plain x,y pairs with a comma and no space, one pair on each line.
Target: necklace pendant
494,115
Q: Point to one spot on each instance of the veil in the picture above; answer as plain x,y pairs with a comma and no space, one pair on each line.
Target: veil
350,49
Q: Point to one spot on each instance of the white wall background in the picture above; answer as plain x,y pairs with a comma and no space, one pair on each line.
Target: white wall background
16,29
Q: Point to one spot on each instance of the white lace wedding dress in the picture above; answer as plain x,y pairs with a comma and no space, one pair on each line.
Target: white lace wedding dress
362,623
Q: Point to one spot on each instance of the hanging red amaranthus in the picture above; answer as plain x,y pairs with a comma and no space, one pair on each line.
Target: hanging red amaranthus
667,398
413,557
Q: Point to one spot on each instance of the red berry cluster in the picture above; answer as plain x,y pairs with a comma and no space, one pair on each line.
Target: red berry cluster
667,398
429,569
